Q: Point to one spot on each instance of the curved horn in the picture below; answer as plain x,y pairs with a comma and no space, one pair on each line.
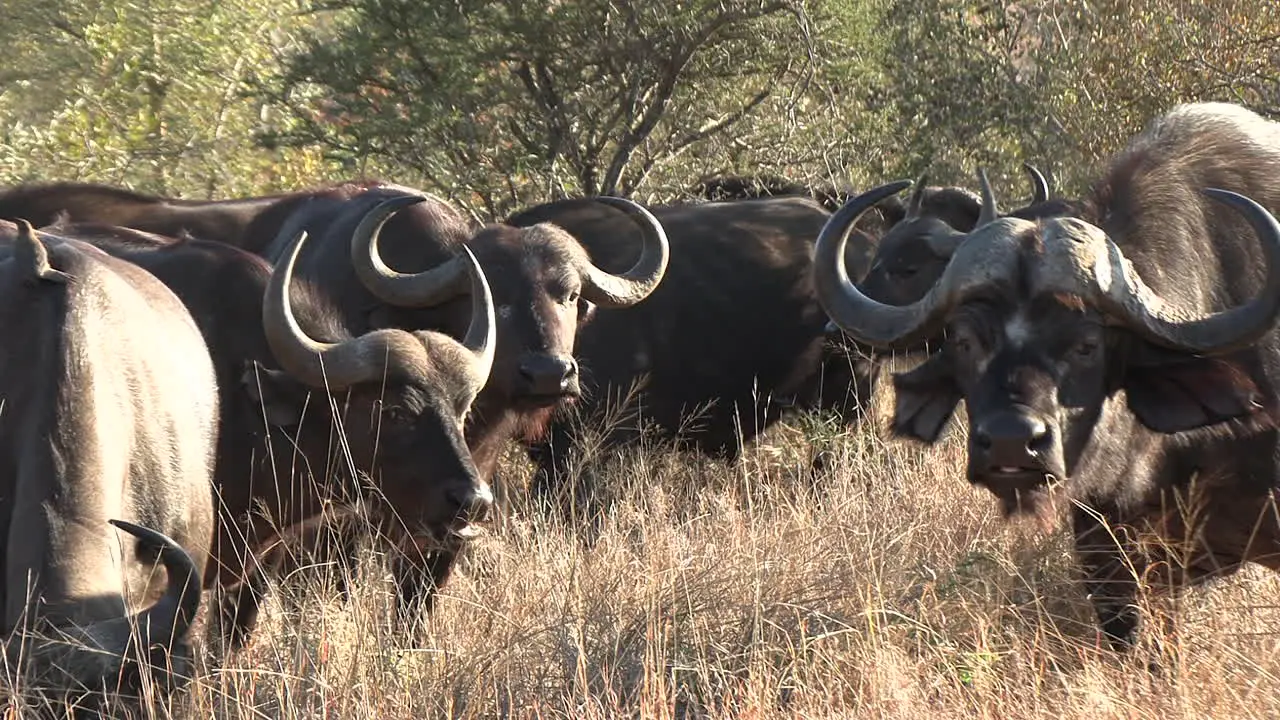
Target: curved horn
975,263
841,300
916,203
616,291
1039,185
33,257
1121,291
171,616
321,365
989,211
423,289
481,338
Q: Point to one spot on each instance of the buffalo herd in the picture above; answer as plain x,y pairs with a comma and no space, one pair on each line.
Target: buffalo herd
209,386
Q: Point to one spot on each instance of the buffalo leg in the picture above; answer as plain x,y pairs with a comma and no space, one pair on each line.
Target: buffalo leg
554,460
240,602
340,552
238,609
1112,565
239,586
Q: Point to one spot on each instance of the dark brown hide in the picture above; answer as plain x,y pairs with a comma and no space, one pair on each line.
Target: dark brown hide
733,337
45,204
910,257
287,449
536,276
1185,331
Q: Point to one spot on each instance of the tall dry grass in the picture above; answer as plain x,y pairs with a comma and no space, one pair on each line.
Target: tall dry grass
884,587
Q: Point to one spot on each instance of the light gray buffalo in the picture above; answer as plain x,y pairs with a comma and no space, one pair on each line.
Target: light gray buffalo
109,419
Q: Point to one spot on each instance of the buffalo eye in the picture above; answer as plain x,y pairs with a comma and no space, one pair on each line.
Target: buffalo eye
563,295
903,273
961,344
1085,349
396,415
965,346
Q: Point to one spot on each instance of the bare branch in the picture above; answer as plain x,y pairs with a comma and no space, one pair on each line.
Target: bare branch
664,89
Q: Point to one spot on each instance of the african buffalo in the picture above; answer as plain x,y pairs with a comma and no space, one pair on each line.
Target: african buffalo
1090,353
398,268
734,333
955,206
303,394
110,411
910,257
45,204
737,371
537,274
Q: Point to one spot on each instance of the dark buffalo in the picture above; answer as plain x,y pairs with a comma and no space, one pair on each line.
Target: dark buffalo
542,281
538,275
110,411
955,206
45,204
696,347
399,269
910,257
306,402
734,333
1162,292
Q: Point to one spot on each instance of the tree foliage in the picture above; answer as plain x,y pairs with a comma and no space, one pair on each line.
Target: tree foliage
144,93
1065,83
501,104
504,102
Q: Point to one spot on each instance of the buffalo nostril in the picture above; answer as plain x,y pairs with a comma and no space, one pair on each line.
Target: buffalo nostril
1039,437
473,504
1013,440
528,371
547,374
568,373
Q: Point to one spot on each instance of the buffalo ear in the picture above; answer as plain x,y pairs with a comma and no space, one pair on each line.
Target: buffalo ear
1171,392
925,399
281,398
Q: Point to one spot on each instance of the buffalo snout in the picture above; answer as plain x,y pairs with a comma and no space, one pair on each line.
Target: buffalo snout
447,509
1010,442
552,375
1015,454
470,502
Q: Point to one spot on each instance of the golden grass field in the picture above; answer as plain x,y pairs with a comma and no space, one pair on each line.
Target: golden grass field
886,587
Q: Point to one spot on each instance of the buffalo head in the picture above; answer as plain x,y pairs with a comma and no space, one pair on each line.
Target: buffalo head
910,257
540,275
1038,325
405,396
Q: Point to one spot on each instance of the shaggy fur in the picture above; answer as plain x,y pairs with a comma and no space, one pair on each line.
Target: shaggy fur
1137,431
